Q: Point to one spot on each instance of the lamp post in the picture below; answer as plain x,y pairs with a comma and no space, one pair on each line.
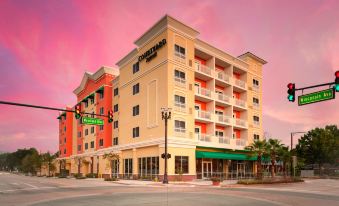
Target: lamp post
166,115
292,134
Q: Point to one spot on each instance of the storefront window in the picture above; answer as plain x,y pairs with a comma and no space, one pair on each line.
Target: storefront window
148,167
181,164
128,167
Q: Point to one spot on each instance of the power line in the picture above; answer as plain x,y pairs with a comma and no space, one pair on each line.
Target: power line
48,108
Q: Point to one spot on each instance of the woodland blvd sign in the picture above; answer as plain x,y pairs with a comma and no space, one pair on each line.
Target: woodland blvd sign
319,96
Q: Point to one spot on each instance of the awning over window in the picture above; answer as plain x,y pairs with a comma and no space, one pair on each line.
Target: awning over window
221,155
100,90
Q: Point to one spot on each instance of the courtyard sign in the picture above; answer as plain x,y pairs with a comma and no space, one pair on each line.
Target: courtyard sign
316,97
93,121
152,52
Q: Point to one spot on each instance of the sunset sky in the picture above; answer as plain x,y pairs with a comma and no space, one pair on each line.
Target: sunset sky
47,45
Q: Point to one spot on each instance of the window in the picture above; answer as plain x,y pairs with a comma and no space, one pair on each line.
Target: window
116,108
179,100
136,110
64,151
92,115
79,134
115,168
92,130
101,127
255,100
102,110
148,166
86,145
86,132
135,67
115,141
115,124
180,126
92,100
179,51
255,83
179,78
65,140
179,74
116,91
79,147
181,164
101,142
86,104
135,89
128,167
135,132
256,120
255,136
65,129
92,144
219,133
101,95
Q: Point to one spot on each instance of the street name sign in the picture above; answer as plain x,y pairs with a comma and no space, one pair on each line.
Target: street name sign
314,97
89,120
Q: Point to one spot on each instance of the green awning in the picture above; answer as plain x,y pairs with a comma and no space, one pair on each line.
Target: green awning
221,155
100,90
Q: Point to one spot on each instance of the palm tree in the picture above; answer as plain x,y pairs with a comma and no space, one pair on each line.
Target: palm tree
258,149
48,158
274,146
284,155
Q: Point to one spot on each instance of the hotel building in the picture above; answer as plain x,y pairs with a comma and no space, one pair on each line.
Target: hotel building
216,102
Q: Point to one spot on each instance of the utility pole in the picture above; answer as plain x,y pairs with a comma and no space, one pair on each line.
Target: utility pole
292,134
166,115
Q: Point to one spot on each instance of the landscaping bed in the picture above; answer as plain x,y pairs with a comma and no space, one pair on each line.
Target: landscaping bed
269,181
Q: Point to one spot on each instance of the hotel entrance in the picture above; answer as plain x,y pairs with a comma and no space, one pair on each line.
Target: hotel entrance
206,169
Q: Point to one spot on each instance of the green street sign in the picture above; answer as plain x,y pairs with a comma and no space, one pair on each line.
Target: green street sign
89,120
323,95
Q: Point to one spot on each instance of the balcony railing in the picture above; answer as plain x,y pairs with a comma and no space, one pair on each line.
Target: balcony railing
256,123
224,140
239,102
180,107
256,87
203,114
180,132
240,83
203,68
204,137
224,119
256,105
179,57
223,97
241,122
203,91
240,142
223,77
180,82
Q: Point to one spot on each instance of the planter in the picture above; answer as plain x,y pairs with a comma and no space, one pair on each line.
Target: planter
216,183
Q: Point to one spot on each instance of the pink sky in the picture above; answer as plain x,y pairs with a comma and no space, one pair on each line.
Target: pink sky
46,46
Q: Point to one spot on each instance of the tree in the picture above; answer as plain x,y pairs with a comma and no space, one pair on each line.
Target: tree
30,163
284,155
258,149
273,147
79,160
48,159
111,157
319,146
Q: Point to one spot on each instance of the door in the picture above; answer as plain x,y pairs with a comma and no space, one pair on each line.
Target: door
197,132
240,170
207,169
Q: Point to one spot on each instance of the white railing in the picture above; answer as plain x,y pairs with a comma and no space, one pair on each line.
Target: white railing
223,97
224,119
240,142
203,91
223,77
256,123
241,122
180,82
240,83
224,140
203,68
240,102
204,137
179,57
256,87
203,114
181,107
256,105
180,132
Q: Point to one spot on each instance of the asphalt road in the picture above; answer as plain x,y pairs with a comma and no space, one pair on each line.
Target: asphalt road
23,190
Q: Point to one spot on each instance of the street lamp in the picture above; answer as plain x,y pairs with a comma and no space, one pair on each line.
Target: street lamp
292,134
166,115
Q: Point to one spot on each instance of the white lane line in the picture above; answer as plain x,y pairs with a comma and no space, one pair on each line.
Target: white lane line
14,183
27,189
32,186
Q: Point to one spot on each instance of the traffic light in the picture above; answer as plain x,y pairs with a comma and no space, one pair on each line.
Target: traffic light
291,92
110,116
336,81
78,111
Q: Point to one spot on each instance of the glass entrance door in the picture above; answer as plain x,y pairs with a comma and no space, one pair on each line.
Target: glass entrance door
207,169
241,170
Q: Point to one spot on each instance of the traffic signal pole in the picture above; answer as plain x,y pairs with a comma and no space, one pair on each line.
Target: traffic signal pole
48,108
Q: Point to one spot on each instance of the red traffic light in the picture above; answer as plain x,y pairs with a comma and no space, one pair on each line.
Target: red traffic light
336,74
290,86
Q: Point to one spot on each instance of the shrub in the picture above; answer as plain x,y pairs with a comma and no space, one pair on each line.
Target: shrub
269,181
215,179
111,179
92,175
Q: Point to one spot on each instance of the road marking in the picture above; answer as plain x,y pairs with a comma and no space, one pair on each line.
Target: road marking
14,183
32,186
26,189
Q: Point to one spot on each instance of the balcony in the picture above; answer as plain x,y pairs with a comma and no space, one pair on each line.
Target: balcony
203,114
204,137
179,132
256,105
224,140
179,107
203,92
240,103
256,123
240,122
224,119
256,88
239,83
222,97
179,57
223,77
240,142
203,69
180,82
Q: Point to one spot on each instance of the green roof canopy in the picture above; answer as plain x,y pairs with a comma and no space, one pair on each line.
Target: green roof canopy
221,155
